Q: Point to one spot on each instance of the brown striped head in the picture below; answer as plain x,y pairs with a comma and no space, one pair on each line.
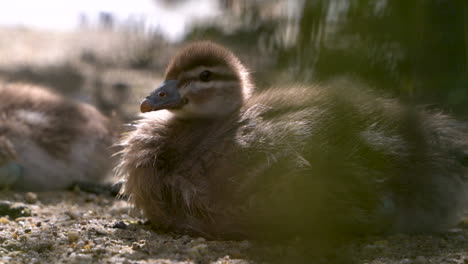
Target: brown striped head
203,80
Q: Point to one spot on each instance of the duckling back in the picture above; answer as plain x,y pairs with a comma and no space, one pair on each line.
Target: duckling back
313,160
55,141
351,161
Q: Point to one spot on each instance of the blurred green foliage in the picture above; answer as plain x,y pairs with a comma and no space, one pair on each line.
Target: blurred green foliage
416,50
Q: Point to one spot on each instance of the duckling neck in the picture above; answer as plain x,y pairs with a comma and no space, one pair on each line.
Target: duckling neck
192,126
189,135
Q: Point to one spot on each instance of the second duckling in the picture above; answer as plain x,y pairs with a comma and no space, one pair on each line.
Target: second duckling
48,142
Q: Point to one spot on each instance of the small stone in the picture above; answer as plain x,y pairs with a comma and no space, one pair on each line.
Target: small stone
76,188
420,260
381,243
12,245
30,198
399,236
87,247
455,231
184,238
405,261
464,222
80,245
200,240
198,251
91,198
370,247
245,244
236,253
72,215
120,225
27,230
196,241
13,210
73,236
38,224
4,220
135,246
42,245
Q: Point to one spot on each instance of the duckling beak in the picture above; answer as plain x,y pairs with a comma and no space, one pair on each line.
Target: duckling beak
164,97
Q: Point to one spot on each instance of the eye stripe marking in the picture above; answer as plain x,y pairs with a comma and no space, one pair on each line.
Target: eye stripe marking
199,85
215,77
217,71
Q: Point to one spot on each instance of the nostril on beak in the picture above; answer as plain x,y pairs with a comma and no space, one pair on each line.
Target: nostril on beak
146,106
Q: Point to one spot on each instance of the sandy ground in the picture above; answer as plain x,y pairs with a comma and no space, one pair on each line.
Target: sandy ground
78,227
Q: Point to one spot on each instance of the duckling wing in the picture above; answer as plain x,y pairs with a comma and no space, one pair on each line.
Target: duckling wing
349,161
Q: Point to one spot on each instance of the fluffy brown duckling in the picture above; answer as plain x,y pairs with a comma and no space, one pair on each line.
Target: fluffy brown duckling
211,157
48,142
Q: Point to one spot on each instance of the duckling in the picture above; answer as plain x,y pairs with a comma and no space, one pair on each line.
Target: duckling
211,157
48,142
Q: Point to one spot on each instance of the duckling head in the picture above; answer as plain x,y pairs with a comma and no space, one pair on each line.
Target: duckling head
204,80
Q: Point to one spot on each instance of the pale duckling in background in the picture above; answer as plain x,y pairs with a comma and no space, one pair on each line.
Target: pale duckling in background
214,158
48,142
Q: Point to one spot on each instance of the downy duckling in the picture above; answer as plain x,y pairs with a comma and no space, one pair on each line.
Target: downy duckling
213,158
48,142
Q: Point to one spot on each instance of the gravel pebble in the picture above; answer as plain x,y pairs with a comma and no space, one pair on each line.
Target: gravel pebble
13,210
198,251
420,260
73,236
72,215
30,197
120,225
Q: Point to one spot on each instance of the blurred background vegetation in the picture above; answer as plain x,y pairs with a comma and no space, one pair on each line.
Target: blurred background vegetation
414,50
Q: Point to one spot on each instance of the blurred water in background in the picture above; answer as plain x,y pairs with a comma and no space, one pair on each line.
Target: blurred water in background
415,50
69,15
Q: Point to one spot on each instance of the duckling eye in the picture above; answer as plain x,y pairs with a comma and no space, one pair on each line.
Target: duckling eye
162,94
205,76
